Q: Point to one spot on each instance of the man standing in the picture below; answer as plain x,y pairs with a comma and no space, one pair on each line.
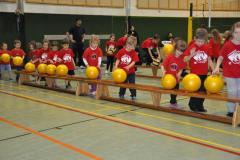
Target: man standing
77,34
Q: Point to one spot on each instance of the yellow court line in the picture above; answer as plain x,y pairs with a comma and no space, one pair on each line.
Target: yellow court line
147,115
169,132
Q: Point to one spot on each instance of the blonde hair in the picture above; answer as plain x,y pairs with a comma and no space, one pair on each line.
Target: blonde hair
132,41
94,38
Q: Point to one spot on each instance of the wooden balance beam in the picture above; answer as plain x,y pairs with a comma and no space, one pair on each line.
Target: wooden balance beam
155,92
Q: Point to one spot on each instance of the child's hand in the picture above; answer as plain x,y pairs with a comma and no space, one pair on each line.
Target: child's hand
216,71
127,68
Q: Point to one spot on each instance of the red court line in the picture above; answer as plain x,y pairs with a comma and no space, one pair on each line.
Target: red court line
124,123
51,139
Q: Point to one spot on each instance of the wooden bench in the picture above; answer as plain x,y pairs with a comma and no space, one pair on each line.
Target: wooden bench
155,92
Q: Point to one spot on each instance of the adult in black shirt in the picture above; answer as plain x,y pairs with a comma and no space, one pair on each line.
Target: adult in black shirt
77,34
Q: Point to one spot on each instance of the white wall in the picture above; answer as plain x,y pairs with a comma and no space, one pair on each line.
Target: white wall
59,9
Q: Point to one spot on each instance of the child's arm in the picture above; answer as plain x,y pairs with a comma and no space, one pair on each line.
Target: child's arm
99,62
179,74
74,63
163,70
159,55
85,62
219,62
116,64
130,65
192,54
210,63
150,53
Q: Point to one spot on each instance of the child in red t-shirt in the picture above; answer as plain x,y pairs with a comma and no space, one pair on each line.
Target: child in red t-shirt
44,52
230,58
54,54
122,41
173,64
199,57
67,55
215,44
5,67
126,59
110,50
54,58
17,51
92,56
153,57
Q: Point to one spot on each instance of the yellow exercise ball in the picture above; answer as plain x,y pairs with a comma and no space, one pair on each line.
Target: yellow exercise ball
191,82
167,49
5,58
169,81
119,75
51,69
17,61
92,72
62,70
29,67
42,68
214,84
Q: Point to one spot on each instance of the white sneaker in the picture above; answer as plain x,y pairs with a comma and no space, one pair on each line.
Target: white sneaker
82,67
106,72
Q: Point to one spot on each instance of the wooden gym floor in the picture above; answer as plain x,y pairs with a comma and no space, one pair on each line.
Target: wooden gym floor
47,125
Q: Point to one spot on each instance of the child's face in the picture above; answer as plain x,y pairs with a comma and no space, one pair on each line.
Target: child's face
54,48
199,42
4,46
65,46
94,44
129,47
17,45
45,46
236,34
31,47
112,38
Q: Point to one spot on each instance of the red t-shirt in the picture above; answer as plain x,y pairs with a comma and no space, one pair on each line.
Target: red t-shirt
43,54
173,64
215,48
55,57
127,57
18,52
122,41
111,45
33,54
199,63
67,57
5,51
231,60
92,56
148,43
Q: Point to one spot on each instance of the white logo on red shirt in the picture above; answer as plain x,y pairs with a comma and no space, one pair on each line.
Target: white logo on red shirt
234,57
200,57
173,67
44,56
94,56
67,58
126,59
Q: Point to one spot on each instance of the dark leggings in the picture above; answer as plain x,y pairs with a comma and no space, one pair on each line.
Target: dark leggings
110,61
130,79
173,96
197,103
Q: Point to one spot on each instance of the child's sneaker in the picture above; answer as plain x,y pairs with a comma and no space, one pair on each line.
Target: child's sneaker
133,98
106,72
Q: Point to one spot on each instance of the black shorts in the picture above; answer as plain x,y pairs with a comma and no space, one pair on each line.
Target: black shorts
71,72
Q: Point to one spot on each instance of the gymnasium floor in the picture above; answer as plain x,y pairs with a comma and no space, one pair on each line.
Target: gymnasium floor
47,125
